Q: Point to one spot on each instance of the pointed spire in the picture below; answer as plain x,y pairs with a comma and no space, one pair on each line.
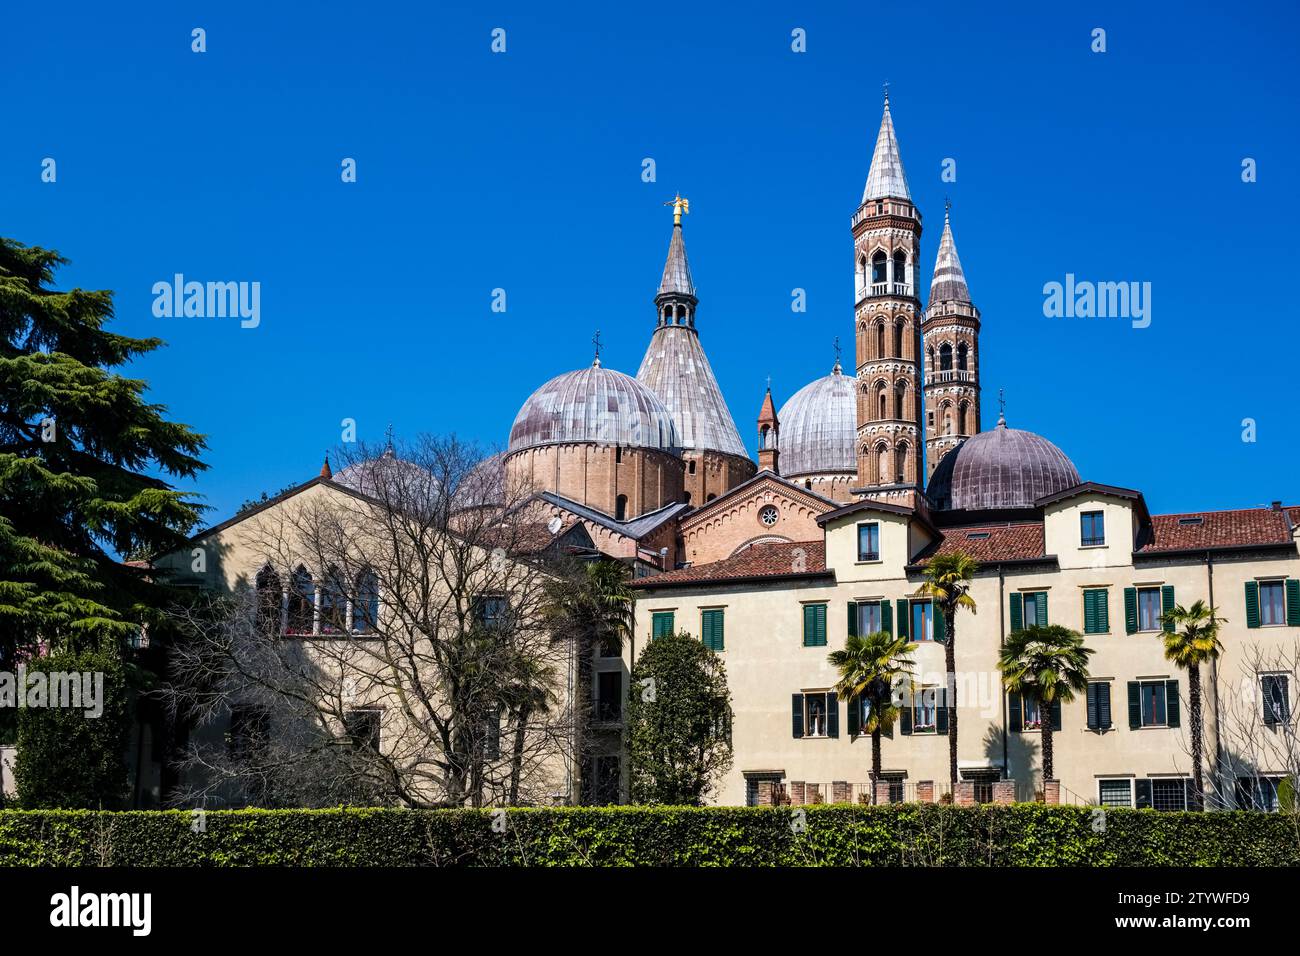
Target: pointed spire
325,470
886,178
949,282
677,270
769,435
767,414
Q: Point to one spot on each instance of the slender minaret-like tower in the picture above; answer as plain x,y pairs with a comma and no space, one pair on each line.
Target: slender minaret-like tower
769,433
950,334
887,312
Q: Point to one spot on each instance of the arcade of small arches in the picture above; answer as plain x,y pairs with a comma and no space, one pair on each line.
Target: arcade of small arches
887,337
676,312
888,464
301,607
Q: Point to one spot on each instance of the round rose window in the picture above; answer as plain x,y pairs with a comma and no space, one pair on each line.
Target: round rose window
769,515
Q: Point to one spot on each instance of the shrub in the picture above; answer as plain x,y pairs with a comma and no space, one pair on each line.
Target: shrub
841,835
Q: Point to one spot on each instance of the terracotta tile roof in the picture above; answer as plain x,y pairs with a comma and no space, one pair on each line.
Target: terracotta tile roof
1217,529
776,560
990,543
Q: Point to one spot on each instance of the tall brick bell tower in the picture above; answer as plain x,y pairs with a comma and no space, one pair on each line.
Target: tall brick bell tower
887,315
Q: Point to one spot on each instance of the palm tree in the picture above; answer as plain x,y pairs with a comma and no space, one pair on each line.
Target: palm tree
595,606
527,691
869,667
947,585
1192,639
1045,664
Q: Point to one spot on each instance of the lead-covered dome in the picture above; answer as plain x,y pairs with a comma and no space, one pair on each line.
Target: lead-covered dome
1005,468
594,404
818,425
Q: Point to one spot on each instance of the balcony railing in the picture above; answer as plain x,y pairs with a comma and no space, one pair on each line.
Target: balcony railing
885,288
951,375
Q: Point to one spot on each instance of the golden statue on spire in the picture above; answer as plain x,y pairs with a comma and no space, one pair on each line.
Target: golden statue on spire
680,206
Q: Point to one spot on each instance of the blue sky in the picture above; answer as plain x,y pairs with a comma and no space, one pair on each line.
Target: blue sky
523,171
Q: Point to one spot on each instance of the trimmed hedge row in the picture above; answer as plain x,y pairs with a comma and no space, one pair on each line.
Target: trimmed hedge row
899,835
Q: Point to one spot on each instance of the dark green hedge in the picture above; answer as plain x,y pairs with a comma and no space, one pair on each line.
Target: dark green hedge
909,835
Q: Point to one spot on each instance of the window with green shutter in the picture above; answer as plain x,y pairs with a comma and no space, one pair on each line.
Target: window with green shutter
1252,604
1017,613
711,628
1130,610
1096,611
661,623
1292,602
814,625
1167,605
904,609
1034,608
1099,705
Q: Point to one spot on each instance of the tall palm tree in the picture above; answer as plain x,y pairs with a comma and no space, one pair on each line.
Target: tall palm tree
1192,639
595,606
947,585
527,691
1045,664
869,668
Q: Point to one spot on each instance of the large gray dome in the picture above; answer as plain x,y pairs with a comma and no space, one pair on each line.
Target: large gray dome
818,427
1001,469
594,405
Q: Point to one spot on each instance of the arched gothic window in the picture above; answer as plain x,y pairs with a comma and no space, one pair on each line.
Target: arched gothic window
900,267
880,340
270,602
945,357
620,508
900,463
961,357
879,266
898,339
302,602
961,419
333,603
882,404
898,401
365,603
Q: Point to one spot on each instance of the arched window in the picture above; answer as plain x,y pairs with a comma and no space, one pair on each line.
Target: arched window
900,464
690,466
961,357
900,267
898,339
620,508
270,602
961,419
879,266
930,366
882,465
365,603
898,402
882,404
710,498
945,357
765,437
686,497
880,340
862,272
302,602
807,483
333,603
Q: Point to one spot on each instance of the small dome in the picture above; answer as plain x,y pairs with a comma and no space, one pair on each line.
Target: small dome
594,405
389,479
818,426
1001,469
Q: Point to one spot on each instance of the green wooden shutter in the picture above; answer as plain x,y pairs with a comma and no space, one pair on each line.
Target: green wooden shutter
855,716
904,617
661,624
711,629
853,619
1167,605
1017,613
1103,610
905,714
1090,619
1103,705
832,714
796,714
1056,714
1172,706
1015,713
809,625
1292,602
940,625
886,617
1042,609
821,625
1131,610
941,711
1094,720
1134,705
1252,604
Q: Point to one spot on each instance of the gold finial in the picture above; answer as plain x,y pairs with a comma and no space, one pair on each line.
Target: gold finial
680,206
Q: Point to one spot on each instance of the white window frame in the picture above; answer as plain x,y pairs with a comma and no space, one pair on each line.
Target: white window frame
1280,584
808,695
1150,589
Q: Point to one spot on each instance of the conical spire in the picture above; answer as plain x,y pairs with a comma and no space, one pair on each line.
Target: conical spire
949,282
677,271
767,414
325,471
886,178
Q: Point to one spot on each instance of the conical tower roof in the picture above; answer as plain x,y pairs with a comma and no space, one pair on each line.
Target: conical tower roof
886,178
949,282
676,369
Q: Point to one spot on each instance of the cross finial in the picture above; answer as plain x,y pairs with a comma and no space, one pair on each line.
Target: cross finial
680,206
886,94
595,340
388,437
769,383
837,353
1002,407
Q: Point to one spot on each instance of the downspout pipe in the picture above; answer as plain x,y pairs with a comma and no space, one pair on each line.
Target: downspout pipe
1214,682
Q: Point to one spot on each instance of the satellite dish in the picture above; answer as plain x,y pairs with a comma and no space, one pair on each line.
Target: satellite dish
554,525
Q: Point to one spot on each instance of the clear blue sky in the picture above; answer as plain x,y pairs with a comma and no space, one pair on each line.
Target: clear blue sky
522,171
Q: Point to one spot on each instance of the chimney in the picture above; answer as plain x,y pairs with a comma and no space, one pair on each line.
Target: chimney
1277,506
